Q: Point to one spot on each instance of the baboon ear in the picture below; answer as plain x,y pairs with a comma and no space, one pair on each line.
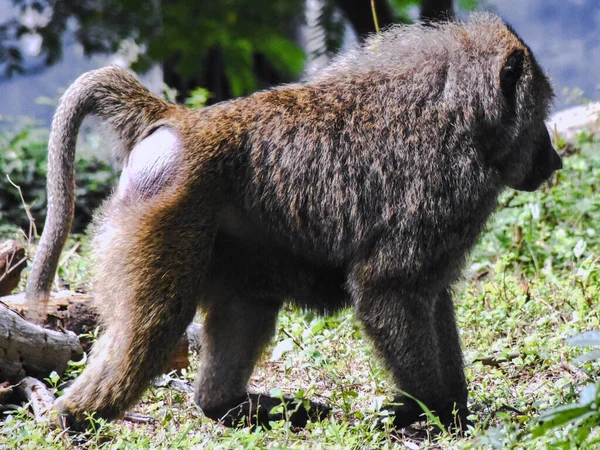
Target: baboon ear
510,74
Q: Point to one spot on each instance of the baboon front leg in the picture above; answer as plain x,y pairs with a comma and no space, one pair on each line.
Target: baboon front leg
235,333
148,279
400,322
451,361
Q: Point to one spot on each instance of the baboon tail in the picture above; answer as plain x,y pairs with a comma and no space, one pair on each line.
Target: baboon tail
114,95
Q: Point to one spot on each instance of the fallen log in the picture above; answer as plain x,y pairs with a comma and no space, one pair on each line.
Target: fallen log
66,310
39,397
75,311
12,262
6,390
29,349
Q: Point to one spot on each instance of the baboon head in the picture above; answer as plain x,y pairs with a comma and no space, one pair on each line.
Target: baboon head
525,96
483,82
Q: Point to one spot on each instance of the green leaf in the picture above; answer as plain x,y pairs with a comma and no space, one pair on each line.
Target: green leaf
587,357
276,392
284,54
430,415
561,416
238,57
198,98
579,248
468,5
588,394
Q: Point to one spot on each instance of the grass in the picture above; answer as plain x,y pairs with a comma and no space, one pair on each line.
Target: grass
532,281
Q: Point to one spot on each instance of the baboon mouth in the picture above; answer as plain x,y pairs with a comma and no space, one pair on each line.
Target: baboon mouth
536,179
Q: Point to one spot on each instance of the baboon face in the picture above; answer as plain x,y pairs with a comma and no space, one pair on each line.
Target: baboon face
545,160
526,94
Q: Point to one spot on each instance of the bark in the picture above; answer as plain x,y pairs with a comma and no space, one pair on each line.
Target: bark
39,397
66,310
74,311
12,262
28,349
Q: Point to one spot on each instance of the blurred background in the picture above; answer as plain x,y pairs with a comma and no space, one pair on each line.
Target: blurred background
531,284
205,51
233,47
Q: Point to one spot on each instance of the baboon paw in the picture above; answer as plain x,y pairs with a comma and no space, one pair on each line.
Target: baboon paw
63,417
242,412
401,414
456,419
71,415
300,415
259,410
405,412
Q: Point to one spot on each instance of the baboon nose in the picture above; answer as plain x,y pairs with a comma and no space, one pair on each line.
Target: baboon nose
558,164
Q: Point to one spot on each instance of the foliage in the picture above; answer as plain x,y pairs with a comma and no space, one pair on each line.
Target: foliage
333,26
23,156
583,415
188,37
402,8
240,29
198,98
544,251
533,281
468,5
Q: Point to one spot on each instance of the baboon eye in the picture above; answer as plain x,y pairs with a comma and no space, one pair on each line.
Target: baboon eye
510,74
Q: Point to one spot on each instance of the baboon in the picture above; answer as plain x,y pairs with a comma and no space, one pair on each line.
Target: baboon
365,185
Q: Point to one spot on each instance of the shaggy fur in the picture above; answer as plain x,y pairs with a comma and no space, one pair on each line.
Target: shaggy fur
365,185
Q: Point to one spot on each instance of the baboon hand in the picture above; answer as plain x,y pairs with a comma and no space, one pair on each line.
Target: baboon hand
405,411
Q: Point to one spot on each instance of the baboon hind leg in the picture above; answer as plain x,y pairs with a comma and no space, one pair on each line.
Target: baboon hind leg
147,284
245,286
235,332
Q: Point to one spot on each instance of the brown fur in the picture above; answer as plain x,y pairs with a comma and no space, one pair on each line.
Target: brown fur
365,185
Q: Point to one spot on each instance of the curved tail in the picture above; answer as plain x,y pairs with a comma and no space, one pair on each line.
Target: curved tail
114,95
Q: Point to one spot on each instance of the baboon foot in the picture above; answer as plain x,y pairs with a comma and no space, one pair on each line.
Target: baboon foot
405,411
62,418
66,416
455,419
258,410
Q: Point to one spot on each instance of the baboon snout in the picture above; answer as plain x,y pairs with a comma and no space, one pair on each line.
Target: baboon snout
545,162
556,161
